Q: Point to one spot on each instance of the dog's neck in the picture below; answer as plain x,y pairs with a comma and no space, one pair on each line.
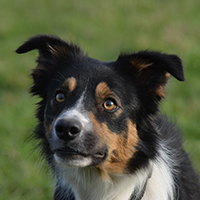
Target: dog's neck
87,184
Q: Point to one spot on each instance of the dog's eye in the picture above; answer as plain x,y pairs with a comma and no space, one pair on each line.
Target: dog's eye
109,105
59,98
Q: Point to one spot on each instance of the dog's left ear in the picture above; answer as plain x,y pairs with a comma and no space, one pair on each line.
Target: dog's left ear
150,71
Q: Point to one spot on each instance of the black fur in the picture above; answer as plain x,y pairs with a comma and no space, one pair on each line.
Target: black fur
138,80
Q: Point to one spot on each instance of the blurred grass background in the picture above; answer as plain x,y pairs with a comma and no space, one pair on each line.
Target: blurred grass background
103,29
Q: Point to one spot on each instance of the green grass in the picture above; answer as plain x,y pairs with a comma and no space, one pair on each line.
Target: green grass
103,29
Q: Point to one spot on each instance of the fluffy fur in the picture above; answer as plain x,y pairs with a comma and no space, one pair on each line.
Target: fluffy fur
100,128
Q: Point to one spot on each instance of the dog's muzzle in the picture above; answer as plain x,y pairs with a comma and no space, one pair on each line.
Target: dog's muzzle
73,141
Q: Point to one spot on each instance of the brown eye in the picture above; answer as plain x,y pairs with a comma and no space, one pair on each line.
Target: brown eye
59,98
109,105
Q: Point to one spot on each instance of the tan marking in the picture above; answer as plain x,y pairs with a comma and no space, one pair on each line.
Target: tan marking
167,75
160,92
57,50
70,83
120,149
140,65
48,127
102,92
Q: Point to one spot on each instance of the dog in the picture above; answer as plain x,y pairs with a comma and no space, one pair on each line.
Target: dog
100,128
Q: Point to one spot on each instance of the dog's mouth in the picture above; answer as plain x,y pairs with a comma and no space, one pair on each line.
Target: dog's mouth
68,152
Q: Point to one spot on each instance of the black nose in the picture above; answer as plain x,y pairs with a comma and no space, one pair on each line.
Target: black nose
68,129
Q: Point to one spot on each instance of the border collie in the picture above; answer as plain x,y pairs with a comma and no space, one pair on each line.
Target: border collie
100,128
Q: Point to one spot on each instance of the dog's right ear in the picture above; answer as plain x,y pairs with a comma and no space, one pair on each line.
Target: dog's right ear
51,50
49,46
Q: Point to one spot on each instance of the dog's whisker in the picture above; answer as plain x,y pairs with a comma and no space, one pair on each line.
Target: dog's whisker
50,116
61,75
56,79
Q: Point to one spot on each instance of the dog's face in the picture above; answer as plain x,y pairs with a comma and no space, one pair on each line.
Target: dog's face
92,112
87,117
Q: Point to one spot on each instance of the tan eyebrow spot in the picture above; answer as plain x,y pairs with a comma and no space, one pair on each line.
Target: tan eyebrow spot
70,83
102,90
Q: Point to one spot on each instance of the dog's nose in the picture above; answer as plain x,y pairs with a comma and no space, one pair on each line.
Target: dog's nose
68,129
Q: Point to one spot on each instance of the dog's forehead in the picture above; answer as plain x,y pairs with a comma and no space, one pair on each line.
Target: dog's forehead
87,74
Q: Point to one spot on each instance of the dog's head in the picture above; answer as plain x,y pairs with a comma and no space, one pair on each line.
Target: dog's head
93,113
